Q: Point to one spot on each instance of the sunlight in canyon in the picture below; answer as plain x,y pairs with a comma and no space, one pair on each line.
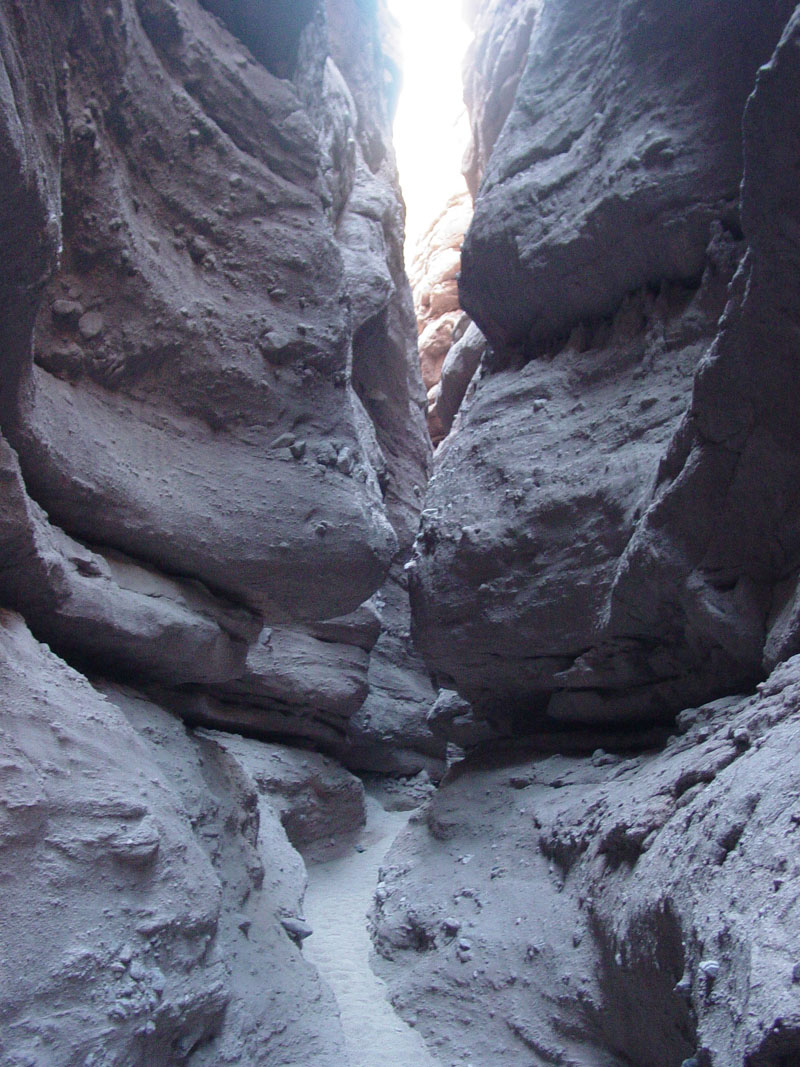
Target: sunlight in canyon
431,130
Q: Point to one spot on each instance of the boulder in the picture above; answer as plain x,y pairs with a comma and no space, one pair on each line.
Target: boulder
452,718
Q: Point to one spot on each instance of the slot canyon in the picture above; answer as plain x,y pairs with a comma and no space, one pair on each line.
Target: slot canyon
399,644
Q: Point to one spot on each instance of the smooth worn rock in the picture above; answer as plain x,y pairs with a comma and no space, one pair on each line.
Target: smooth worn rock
492,69
132,860
452,718
715,559
533,501
108,612
300,675
390,733
458,371
277,1010
212,324
315,797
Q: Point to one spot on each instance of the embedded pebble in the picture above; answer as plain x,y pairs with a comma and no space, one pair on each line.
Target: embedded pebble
67,309
297,928
90,325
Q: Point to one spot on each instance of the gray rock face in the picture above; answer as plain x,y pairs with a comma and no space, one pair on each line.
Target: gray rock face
492,70
611,536
141,894
572,563
622,146
536,494
224,392
607,909
390,733
452,718
293,671
211,416
716,558
103,609
314,797
147,338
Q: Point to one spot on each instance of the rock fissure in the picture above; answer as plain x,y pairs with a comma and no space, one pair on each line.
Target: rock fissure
221,511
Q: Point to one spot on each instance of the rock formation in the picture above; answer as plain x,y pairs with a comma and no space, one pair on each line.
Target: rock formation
608,554
213,454
433,275
214,525
201,350
608,909
565,571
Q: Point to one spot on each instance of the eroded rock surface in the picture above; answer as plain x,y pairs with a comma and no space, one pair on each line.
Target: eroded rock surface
213,451
434,279
622,146
492,70
563,571
224,403
611,909
186,352
142,887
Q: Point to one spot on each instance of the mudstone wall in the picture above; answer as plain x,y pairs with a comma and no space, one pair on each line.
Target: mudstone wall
216,502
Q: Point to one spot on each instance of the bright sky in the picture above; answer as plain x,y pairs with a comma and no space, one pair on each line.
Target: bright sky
431,130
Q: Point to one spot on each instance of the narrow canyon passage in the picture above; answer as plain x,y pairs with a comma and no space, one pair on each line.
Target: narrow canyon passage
325,459
338,897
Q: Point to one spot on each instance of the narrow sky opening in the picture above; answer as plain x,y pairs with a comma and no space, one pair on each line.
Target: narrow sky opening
431,130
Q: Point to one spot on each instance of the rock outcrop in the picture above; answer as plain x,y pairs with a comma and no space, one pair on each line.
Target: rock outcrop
224,398
607,555
213,453
143,887
492,69
562,571
608,909
434,280
213,468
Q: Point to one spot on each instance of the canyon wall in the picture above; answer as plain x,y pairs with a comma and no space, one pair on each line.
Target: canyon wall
595,544
214,461
608,554
213,457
